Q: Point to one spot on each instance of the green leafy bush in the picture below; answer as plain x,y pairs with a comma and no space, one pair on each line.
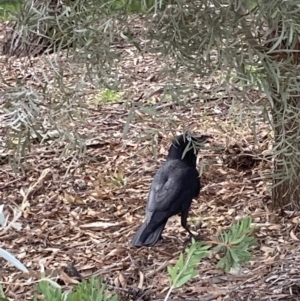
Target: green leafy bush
93,289
233,245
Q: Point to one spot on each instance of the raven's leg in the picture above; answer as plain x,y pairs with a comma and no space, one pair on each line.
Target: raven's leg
184,216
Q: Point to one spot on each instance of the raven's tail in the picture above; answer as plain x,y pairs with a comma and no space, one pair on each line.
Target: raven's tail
147,236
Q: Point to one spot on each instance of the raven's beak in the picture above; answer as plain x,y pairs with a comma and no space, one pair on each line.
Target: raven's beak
203,138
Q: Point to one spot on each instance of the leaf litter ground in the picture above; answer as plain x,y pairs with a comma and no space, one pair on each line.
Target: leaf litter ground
85,210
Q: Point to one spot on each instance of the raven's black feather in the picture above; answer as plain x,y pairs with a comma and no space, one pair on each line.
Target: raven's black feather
174,186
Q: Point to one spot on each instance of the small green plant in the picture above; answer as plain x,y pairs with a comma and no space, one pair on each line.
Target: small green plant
107,96
6,7
92,290
185,268
235,244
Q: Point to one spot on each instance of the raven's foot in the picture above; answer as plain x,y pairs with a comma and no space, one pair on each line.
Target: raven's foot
198,237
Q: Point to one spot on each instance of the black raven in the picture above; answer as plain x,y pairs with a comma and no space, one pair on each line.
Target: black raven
173,188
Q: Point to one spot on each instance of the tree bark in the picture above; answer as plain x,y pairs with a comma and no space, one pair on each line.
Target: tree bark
286,125
286,189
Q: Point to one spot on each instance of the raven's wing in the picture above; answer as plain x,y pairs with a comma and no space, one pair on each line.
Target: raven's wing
173,186
171,192
197,187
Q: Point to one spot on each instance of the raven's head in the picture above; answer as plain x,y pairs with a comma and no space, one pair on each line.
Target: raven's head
186,147
187,138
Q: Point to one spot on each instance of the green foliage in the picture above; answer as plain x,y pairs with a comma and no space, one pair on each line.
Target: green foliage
92,290
132,6
6,7
2,295
138,6
108,96
235,244
221,39
49,291
185,268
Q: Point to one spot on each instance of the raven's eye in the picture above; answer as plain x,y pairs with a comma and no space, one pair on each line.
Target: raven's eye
189,138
